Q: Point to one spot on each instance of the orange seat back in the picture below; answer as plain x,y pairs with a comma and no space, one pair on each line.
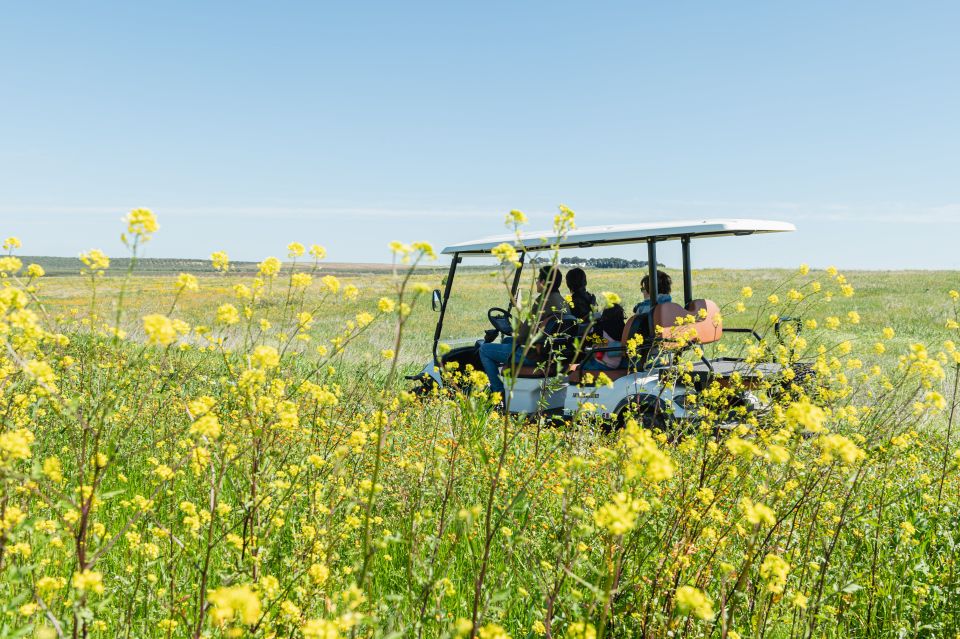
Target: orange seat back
698,323
709,322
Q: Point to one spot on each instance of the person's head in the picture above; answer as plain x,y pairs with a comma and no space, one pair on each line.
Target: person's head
664,283
576,279
612,321
549,279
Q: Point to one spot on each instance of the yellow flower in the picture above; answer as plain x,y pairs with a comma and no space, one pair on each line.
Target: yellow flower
35,270
235,602
505,252
619,515
295,249
774,570
11,243
538,628
799,600
159,329
516,218
387,353
331,283
141,223
350,292
853,317
610,298
742,448
317,251
207,426
301,280
694,601
88,580
10,264
888,333
386,305
935,400
318,573
581,630
839,446
95,260
228,314
269,267
746,291
320,629
564,220
426,249
757,513
265,357
187,282
53,469
804,269
806,415
221,261
492,631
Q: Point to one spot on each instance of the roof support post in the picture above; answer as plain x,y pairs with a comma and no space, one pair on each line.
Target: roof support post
516,280
652,272
687,272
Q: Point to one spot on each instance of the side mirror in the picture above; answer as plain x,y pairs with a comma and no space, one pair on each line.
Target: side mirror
437,301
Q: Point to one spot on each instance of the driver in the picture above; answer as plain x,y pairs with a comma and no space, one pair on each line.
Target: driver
550,305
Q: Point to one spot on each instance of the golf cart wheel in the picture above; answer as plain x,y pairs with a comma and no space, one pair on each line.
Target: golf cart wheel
646,409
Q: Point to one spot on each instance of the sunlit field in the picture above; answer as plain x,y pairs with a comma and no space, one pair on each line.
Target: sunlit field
240,455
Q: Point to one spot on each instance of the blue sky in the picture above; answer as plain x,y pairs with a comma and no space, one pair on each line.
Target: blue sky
247,125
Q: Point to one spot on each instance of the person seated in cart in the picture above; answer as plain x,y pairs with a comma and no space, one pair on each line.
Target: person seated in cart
551,306
664,286
582,300
609,329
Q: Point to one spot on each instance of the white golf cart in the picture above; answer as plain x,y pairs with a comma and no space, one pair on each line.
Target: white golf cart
558,386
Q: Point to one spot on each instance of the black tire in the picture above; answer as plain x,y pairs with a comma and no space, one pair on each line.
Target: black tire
648,410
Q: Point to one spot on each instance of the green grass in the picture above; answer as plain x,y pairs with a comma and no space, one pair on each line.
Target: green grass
332,501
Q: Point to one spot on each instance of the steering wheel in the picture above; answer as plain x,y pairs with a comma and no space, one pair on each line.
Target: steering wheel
500,318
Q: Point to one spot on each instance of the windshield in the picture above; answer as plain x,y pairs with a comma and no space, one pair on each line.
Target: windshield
475,290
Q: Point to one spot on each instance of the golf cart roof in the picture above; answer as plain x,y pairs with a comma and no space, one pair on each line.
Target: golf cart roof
588,236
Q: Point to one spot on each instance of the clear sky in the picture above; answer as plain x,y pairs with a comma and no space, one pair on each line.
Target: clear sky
247,125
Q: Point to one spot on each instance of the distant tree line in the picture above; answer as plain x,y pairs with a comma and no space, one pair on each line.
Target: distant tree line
597,262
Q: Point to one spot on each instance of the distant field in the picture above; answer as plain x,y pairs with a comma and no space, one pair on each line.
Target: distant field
67,266
911,302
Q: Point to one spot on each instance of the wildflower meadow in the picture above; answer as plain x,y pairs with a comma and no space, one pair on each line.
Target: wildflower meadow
232,454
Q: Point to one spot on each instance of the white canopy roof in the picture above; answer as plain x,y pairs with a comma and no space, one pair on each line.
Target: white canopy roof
621,234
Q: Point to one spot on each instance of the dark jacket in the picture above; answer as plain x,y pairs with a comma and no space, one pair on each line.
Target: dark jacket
583,303
554,308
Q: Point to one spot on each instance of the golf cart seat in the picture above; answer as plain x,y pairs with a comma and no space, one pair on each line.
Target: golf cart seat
554,348
698,323
630,328
538,371
676,326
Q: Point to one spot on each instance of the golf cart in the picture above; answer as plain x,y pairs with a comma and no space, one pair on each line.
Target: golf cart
560,387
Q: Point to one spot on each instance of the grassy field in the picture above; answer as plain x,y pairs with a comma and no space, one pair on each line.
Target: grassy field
204,460
911,302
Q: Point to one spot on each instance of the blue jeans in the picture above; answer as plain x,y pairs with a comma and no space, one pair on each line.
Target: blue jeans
493,355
